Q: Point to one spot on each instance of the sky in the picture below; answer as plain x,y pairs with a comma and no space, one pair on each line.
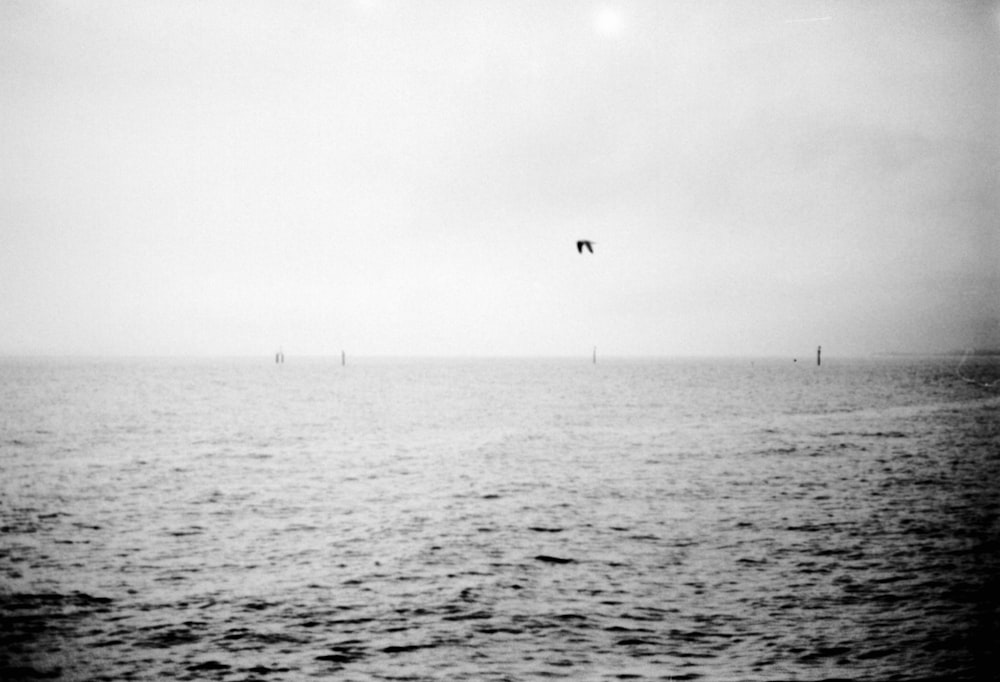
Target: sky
410,178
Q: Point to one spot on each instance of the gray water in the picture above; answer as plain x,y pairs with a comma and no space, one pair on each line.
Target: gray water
499,520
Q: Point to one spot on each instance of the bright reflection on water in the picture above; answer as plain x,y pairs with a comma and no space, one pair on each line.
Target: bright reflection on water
498,520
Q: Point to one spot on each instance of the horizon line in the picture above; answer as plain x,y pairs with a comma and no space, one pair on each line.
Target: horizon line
484,356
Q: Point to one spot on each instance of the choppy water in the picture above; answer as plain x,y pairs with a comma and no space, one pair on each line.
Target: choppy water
499,520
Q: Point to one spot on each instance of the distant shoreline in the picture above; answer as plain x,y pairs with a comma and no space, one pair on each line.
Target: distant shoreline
978,352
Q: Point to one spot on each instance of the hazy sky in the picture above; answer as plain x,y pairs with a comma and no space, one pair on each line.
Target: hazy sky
410,178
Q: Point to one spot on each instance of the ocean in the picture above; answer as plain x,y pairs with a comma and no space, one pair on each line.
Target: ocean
509,519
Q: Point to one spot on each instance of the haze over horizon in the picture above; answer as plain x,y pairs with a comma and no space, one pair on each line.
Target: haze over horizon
411,179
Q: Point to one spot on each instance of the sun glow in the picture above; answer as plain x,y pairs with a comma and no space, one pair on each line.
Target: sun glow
608,21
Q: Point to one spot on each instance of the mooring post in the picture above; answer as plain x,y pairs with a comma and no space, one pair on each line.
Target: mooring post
819,350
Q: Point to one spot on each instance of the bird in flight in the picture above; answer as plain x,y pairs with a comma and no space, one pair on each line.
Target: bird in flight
582,243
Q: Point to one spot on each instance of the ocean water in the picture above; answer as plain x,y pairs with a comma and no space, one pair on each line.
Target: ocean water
499,520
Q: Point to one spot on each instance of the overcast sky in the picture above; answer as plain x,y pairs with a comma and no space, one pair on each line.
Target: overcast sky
410,178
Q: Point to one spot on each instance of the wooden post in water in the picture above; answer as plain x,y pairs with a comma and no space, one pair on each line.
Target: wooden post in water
343,358
819,350
595,355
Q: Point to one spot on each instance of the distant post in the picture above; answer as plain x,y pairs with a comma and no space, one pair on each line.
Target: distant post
343,358
595,355
819,351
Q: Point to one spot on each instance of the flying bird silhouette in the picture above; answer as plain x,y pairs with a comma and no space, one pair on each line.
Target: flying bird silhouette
582,243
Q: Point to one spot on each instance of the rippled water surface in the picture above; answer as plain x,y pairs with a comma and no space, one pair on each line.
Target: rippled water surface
499,520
